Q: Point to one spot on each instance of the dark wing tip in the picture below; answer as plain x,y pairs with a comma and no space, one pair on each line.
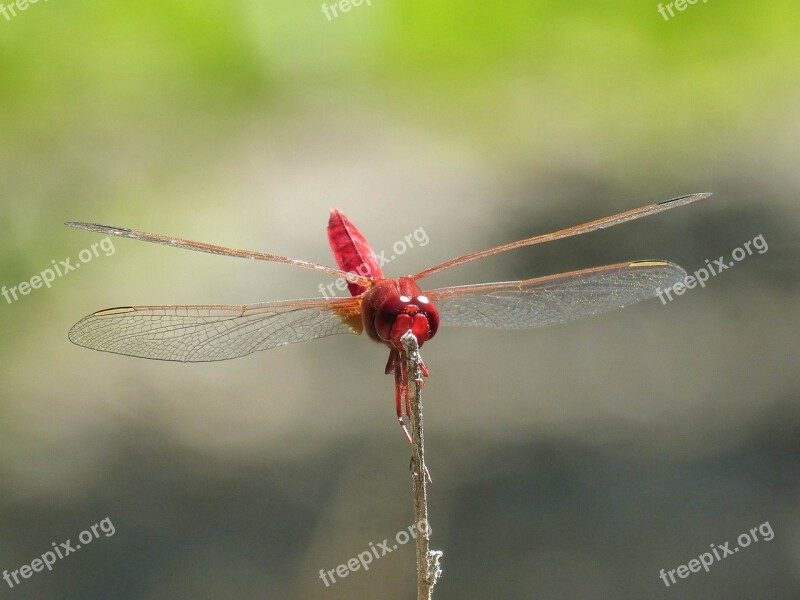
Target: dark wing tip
98,228
113,311
686,199
652,263
670,272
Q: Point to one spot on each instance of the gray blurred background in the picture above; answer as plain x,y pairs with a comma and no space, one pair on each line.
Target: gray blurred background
570,462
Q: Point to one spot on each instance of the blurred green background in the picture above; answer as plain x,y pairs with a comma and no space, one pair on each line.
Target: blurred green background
570,462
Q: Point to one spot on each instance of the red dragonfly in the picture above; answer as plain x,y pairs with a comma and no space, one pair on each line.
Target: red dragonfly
384,308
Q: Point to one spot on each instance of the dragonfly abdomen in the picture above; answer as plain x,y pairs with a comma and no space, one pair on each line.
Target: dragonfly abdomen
351,250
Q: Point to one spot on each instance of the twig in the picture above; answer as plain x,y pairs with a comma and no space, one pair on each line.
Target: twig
428,561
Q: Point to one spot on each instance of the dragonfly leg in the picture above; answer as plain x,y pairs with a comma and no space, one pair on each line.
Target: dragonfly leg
391,364
402,401
404,376
423,369
400,398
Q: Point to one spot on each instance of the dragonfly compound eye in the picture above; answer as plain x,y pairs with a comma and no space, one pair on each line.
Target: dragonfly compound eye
398,314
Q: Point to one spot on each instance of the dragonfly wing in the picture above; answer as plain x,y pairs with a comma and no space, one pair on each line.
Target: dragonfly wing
623,217
214,332
556,298
176,242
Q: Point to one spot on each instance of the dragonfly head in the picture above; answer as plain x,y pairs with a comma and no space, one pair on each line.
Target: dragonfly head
400,313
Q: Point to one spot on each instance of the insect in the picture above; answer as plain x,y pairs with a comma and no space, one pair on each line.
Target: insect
384,308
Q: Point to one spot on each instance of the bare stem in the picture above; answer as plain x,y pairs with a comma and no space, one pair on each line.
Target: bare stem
428,561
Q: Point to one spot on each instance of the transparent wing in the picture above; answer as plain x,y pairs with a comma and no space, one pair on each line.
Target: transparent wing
623,217
556,298
214,332
219,250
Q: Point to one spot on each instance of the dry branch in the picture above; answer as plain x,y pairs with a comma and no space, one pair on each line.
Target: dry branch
428,561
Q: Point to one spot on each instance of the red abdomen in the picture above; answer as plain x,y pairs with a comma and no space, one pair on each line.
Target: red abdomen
351,250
